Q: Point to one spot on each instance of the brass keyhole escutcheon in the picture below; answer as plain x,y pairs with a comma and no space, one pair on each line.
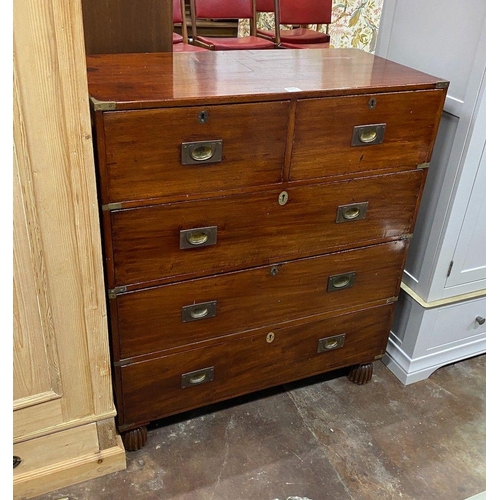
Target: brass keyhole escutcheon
202,153
283,198
372,103
274,270
351,213
270,337
203,116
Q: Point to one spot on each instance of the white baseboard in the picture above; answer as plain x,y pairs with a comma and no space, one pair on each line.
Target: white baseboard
409,371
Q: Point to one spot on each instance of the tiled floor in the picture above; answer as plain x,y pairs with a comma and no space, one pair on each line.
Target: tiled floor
320,439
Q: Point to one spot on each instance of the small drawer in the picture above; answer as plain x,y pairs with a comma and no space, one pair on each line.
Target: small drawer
164,152
188,239
183,381
456,324
346,135
152,320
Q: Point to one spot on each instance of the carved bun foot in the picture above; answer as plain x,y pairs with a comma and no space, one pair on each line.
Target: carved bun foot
361,374
135,439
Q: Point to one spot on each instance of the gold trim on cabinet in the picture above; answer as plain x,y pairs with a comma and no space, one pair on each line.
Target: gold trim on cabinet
111,206
102,105
421,166
115,291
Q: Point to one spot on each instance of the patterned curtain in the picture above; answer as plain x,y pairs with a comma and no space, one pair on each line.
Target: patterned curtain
354,24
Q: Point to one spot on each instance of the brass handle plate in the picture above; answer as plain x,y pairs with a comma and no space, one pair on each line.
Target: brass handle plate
196,312
201,152
351,212
368,135
197,237
331,343
339,282
197,377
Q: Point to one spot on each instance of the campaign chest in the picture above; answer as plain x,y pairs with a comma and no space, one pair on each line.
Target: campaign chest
256,212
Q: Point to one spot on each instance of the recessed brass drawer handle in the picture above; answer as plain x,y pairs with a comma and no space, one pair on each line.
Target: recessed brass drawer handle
340,281
202,310
352,212
199,312
197,237
197,377
364,135
331,343
201,152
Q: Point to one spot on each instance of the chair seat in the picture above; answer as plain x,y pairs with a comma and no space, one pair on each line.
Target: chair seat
240,43
176,38
298,35
325,45
186,47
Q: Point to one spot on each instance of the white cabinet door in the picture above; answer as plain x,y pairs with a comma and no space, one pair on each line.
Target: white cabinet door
462,259
469,259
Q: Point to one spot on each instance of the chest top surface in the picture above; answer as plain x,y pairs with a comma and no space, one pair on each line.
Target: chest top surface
132,81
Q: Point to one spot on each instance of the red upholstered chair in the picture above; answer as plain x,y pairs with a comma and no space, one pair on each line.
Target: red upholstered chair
227,9
300,14
181,42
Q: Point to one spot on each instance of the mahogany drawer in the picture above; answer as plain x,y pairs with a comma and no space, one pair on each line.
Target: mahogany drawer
327,141
151,243
178,382
178,314
144,149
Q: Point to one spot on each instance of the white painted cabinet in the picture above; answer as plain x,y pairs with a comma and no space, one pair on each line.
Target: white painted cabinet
442,305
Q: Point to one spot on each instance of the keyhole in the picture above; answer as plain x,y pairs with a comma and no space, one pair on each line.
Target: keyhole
283,198
203,116
372,103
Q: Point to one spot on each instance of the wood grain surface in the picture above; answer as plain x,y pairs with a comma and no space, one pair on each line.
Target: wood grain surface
166,79
150,320
152,389
255,229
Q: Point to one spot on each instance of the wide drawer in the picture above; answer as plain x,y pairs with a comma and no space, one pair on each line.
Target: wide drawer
235,232
148,153
171,384
174,315
345,135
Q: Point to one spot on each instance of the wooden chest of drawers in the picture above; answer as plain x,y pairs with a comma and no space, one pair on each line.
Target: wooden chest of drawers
257,208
